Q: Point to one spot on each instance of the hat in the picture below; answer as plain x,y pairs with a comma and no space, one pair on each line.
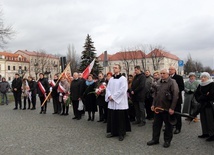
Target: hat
205,74
191,74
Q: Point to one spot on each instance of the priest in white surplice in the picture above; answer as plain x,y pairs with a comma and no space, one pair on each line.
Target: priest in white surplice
116,96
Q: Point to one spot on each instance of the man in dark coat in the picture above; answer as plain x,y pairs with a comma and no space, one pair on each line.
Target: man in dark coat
55,95
138,96
75,95
17,91
179,80
33,91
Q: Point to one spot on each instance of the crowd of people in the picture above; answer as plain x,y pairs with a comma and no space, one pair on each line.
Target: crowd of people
121,100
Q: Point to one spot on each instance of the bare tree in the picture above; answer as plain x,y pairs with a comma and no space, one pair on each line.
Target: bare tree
42,63
156,55
6,32
73,58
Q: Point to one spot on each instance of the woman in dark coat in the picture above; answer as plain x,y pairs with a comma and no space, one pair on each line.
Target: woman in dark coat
90,97
205,96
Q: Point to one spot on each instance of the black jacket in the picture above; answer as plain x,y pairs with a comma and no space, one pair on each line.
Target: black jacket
46,86
17,83
179,80
54,92
138,86
33,87
76,89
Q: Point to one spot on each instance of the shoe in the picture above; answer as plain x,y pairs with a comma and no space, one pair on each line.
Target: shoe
142,124
41,112
44,112
177,131
109,136
15,108
62,114
24,109
54,113
100,120
89,118
203,136
32,108
105,121
74,118
66,114
78,118
121,138
136,122
28,108
152,142
211,138
166,144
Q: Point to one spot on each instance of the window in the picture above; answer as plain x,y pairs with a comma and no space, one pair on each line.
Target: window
14,67
9,78
8,67
25,68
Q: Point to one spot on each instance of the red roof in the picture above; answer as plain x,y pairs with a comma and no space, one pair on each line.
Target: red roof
161,53
129,55
9,56
34,53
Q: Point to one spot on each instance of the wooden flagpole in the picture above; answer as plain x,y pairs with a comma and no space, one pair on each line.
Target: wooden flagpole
68,65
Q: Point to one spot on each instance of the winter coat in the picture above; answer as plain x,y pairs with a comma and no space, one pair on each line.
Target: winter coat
76,89
17,83
138,86
46,86
4,86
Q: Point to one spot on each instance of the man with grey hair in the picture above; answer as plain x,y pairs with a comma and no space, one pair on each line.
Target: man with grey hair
165,97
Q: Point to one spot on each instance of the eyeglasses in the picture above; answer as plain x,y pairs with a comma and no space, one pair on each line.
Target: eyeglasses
162,73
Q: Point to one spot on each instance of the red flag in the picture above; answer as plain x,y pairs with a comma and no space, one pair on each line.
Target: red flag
88,69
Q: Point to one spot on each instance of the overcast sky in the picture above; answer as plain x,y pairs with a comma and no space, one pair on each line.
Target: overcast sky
182,27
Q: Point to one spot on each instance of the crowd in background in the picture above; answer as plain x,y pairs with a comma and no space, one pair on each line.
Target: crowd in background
145,92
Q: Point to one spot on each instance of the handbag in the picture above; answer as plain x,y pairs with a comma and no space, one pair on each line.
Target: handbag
80,106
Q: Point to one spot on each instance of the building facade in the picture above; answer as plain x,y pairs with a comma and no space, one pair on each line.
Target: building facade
11,63
40,62
155,60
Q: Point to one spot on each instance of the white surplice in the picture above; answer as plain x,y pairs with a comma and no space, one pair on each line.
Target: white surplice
117,89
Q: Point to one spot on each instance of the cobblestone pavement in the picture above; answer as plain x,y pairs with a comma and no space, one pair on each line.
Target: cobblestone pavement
26,132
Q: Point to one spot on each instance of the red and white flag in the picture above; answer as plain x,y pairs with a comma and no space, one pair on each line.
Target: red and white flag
61,89
88,69
42,89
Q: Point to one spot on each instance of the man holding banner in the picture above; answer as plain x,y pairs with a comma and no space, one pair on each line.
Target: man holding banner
43,88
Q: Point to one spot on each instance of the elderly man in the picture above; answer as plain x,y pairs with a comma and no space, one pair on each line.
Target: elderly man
165,96
179,80
116,96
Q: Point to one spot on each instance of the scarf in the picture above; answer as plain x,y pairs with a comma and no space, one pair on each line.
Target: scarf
88,83
206,82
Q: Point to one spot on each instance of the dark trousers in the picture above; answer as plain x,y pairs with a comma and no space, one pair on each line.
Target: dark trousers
17,97
131,112
26,98
33,100
178,117
140,111
65,108
148,104
157,125
207,121
103,110
75,108
43,108
55,104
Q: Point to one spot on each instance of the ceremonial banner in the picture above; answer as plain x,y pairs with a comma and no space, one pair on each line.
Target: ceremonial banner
88,69
66,74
